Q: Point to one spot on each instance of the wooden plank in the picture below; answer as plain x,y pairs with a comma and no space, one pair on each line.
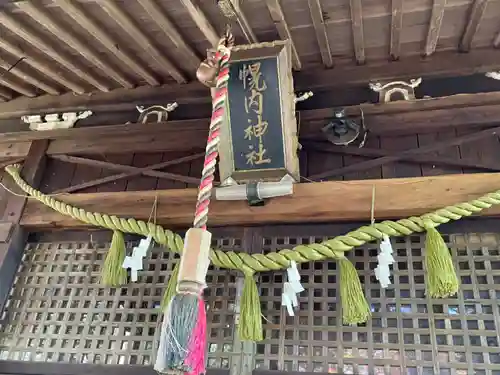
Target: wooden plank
311,202
16,86
107,178
58,175
160,18
125,168
76,12
396,28
201,20
476,13
242,20
443,64
143,182
451,153
357,31
14,150
278,17
141,39
434,26
400,168
351,158
40,15
431,161
321,34
21,30
415,151
29,78
84,173
12,250
118,185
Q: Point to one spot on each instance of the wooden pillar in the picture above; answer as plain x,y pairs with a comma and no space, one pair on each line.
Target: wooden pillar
12,235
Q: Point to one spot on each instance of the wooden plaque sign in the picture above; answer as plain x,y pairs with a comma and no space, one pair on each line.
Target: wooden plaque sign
259,137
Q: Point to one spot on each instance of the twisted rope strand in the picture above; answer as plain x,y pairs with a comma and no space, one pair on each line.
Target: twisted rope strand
249,263
212,149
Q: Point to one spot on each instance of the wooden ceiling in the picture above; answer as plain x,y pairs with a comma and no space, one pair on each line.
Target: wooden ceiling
87,46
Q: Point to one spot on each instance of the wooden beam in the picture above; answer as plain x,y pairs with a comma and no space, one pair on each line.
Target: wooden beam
466,111
241,19
313,202
434,26
278,18
28,78
396,28
142,40
396,157
11,250
418,159
201,20
357,30
20,88
41,16
321,33
6,94
127,168
14,150
76,12
51,73
476,13
124,175
160,18
443,64
31,37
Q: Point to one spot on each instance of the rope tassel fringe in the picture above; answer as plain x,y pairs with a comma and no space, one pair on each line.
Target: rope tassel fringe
113,274
441,278
250,324
355,309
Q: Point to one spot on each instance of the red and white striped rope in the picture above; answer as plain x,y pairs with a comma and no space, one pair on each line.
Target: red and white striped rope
212,149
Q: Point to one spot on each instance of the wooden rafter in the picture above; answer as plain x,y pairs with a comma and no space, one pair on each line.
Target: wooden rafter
147,171
357,30
20,88
160,18
434,26
40,15
321,33
396,157
241,19
42,67
80,16
396,198
278,18
476,13
396,28
201,20
31,37
121,176
5,94
28,78
131,28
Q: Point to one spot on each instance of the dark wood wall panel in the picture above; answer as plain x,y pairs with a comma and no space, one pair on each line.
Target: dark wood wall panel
485,151
119,185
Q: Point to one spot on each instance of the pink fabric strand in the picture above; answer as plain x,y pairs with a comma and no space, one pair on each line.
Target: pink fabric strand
198,343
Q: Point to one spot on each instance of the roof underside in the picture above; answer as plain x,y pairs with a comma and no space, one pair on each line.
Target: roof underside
86,46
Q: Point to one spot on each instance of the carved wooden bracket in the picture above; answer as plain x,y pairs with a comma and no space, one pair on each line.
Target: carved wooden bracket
54,120
396,90
160,111
494,75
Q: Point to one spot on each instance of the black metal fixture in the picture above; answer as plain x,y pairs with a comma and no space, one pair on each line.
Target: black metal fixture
342,131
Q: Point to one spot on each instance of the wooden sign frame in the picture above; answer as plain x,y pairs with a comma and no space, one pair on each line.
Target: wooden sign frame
281,50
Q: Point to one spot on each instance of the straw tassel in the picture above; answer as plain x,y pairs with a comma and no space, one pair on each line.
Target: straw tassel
113,274
441,277
250,324
355,309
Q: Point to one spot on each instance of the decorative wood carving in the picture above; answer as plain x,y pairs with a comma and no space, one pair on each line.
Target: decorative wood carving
494,75
160,111
396,90
54,121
